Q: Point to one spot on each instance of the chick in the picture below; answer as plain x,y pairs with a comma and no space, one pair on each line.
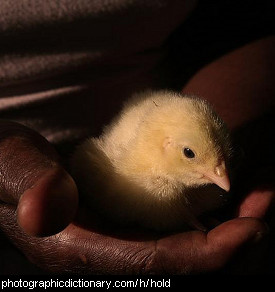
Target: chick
156,163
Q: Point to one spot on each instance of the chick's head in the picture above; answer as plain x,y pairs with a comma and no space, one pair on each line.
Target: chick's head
194,142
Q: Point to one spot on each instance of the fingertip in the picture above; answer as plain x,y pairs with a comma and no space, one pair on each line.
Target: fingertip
238,230
49,206
228,238
256,204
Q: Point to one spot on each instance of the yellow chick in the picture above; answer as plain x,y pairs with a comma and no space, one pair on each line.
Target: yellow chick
156,163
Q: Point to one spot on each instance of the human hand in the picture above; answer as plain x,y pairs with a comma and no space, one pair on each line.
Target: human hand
48,203
33,182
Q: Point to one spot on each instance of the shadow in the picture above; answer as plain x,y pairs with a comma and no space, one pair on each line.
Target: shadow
256,139
203,205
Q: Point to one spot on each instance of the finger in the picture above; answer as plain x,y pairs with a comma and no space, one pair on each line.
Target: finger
48,206
78,250
194,252
33,179
256,204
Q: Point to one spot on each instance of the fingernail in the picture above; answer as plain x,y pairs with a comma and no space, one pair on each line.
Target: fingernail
261,234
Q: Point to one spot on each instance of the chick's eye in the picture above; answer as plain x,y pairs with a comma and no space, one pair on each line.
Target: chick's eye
188,153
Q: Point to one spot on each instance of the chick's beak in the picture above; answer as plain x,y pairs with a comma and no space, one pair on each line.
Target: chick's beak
219,177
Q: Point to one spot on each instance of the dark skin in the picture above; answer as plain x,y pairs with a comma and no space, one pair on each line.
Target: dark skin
33,209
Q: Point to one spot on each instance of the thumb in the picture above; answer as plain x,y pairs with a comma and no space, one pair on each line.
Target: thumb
32,178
